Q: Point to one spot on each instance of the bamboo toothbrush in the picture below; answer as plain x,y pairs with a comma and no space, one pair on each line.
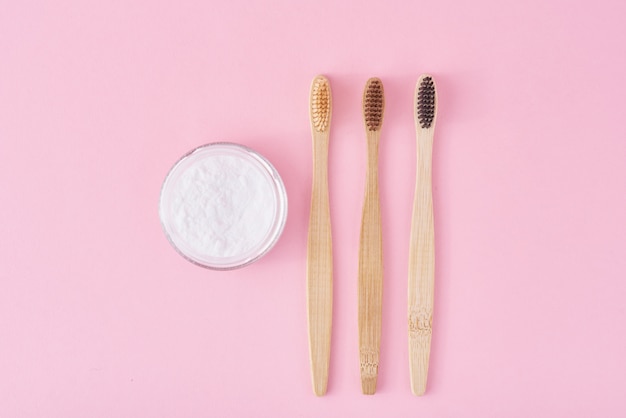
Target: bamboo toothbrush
319,252
422,244
371,249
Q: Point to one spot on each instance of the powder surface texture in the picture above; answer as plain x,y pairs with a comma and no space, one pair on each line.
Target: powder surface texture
223,206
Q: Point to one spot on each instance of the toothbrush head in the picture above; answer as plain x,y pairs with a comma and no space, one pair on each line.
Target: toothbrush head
373,104
425,102
321,102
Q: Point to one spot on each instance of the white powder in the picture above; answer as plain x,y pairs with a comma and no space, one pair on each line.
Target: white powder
222,206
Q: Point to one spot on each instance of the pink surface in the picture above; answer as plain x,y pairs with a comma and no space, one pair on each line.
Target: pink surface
100,317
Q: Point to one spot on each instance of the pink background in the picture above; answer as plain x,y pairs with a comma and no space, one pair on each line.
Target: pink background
100,317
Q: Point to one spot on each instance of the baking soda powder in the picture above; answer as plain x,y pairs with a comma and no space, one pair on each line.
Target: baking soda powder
223,206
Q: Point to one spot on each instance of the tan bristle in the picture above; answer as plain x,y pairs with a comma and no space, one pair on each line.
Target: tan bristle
373,104
320,103
426,105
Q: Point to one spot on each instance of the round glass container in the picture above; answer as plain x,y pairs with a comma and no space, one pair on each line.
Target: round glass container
223,206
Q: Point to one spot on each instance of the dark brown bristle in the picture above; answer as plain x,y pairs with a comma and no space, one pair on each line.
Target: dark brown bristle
425,106
373,104
320,104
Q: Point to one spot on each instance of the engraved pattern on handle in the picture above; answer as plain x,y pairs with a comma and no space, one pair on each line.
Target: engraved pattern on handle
420,323
369,363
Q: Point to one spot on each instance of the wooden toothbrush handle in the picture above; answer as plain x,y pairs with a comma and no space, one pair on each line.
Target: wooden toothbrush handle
421,271
319,269
370,276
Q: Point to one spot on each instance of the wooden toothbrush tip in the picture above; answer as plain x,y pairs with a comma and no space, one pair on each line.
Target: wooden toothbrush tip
418,390
368,385
319,389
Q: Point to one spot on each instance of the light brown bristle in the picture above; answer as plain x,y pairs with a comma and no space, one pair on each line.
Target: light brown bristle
373,104
320,104
426,102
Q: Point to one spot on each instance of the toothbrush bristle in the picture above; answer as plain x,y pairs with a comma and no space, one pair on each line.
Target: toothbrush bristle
373,104
320,104
426,102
